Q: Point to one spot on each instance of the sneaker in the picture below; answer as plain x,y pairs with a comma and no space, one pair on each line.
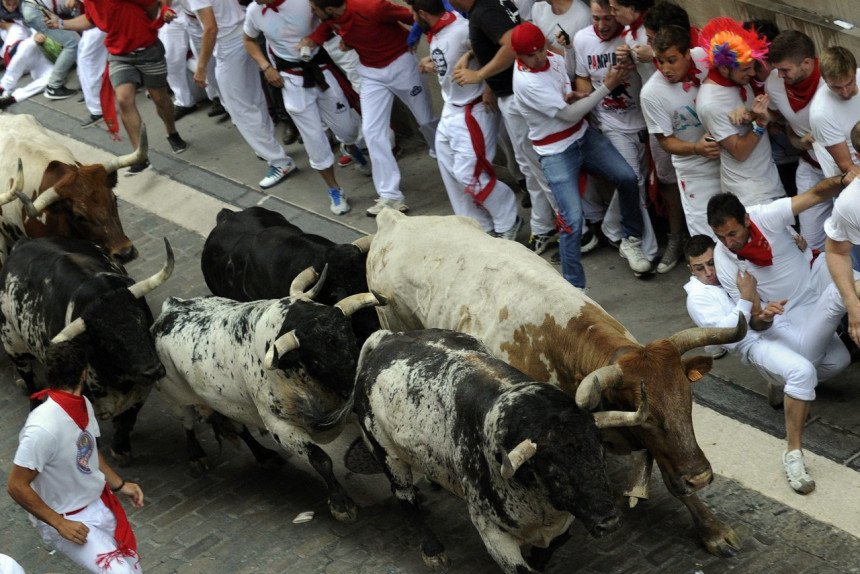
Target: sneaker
511,234
177,143
6,101
180,112
540,242
588,242
138,167
631,250
715,351
671,254
59,93
216,109
796,473
291,132
276,175
339,204
384,202
91,121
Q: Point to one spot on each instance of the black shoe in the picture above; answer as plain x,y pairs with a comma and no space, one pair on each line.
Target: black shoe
526,200
217,109
138,167
91,121
59,93
180,112
291,134
177,143
81,100
6,101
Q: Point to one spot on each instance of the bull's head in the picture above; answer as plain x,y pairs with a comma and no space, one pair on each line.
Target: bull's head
667,428
80,202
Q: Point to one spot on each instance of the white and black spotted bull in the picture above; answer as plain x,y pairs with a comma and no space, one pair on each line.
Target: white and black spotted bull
444,272
55,195
60,288
285,365
524,457
256,253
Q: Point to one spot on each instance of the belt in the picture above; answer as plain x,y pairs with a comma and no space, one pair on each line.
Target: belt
74,511
807,157
558,136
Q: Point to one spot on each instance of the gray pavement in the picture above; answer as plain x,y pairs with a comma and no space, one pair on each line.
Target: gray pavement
237,518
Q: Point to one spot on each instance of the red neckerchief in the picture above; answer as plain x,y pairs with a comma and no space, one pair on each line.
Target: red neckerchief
634,26
715,76
74,405
521,66
757,87
757,250
126,543
274,5
691,80
615,35
444,20
800,94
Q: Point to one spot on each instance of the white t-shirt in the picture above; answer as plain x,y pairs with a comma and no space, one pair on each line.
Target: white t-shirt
831,119
67,459
671,111
229,15
799,120
790,275
577,17
620,110
844,223
645,69
446,47
283,29
711,306
756,179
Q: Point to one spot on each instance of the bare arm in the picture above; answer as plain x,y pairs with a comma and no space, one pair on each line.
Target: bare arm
677,146
740,147
21,490
841,155
269,72
826,189
839,263
207,45
503,59
76,24
130,490
583,84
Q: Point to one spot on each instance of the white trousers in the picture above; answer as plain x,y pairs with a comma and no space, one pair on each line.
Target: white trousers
812,219
174,36
195,38
242,95
312,109
346,60
456,156
28,59
543,215
92,57
633,151
695,195
100,540
379,86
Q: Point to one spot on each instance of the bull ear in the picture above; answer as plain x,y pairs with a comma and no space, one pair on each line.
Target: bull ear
517,457
697,367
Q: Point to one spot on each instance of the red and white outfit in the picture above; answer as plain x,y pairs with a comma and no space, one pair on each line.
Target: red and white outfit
312,108
814,308
239,82
466,126
70,482
621,121
373,28
670,110
92,57
174,36
23,55
795,110
755,180
831,119
577,17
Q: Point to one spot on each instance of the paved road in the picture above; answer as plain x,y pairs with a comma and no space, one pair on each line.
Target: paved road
237,518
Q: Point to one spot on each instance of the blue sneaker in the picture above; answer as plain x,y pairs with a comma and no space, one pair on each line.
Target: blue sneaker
339,204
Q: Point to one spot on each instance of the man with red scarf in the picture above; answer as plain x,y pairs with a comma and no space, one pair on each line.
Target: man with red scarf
60,477
808,305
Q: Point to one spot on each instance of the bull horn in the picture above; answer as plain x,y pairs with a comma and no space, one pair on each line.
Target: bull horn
144,286
701,336
17,186
34,208
70,331
282,345
592,386
353,303
363,243
517,457
137,156
609,419
304,280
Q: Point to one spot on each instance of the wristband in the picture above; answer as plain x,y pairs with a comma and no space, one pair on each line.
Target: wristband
60,24
266,69
757,129
118,488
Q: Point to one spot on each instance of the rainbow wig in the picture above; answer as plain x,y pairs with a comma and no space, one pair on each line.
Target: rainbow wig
728,44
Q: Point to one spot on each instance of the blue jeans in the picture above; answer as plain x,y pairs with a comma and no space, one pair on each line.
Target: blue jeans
69,40
596,155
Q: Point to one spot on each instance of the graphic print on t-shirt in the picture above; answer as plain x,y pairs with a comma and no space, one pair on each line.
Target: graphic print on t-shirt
438,57
86,447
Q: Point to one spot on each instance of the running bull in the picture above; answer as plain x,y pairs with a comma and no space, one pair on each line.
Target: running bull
523,455
58,288
530,317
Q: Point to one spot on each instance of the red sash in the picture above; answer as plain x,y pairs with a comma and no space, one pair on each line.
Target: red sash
482,165
757,250
126,543
558,136
108,102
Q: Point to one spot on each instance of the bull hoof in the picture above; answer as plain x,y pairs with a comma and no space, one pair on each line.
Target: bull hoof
438,563
349,515
724,544
123,459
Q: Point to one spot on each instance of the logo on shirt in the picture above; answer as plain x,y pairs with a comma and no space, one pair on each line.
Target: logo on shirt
600,61
685,118
416,90
438,57
86,447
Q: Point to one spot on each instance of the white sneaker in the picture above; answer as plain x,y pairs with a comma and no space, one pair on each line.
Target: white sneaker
276,175
382,203
631,250
339,204
511,234
796,473
587,242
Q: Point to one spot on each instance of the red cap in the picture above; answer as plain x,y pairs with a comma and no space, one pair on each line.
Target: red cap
527,39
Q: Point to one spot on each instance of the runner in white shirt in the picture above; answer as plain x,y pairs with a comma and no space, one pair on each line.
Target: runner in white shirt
619,113
312,90
747,167
843,233
834,110
467,132
791,86
669,106
560,20
239,82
